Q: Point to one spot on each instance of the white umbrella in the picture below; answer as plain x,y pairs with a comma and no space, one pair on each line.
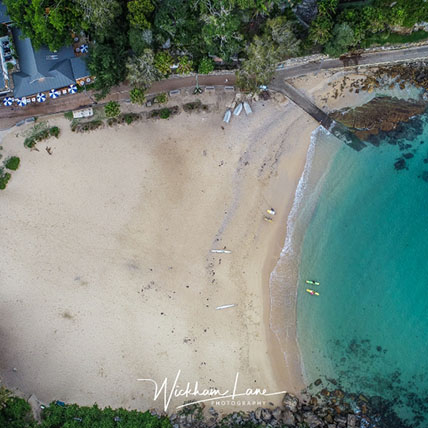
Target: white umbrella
53,93
82,83
41,97
84,48
72,89
8,101
22,101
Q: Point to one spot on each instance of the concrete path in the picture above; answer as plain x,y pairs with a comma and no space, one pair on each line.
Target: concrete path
9,116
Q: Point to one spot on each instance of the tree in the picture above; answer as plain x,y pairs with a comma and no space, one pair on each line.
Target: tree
320,31
342,38
259,68
142,71
99,13
106,63
49,22
220,30
277,43
139,13
206,66
163,62
112,109
139,40
279,32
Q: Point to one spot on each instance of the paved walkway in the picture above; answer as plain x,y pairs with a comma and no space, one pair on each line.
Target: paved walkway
9,116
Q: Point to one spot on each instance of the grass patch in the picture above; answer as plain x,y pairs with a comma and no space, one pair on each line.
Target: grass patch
386,38
12,163
41,131
161,98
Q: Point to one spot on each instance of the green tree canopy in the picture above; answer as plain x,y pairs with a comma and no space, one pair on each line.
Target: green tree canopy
141,70
342,39
46,22
139,13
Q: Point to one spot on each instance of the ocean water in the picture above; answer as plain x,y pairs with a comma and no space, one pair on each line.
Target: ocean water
365,239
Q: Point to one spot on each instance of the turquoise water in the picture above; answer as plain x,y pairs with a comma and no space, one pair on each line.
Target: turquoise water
367,243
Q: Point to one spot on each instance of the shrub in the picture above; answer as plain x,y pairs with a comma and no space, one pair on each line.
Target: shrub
112,109
12,163
137,96
54,131
163,62
165,113
192,106
10,66
206,66
185,65
161,98
4,178
130,117
68,115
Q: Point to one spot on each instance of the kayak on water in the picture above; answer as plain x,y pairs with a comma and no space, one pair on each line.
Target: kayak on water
312,292
308,281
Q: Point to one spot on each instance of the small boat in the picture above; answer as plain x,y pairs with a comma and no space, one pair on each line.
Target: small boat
227,116
312,292
238,109
247,108
308,281
226,306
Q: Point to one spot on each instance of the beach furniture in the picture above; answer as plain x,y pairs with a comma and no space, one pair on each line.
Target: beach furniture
247,108
237,110
268,219
227,116
271,211
221,251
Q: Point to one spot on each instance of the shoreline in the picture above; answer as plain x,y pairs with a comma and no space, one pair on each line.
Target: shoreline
195,186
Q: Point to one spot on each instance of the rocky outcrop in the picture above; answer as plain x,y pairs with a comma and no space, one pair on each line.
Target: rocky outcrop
327,409
380,114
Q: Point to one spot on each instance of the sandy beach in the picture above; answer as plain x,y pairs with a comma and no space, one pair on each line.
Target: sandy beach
107,274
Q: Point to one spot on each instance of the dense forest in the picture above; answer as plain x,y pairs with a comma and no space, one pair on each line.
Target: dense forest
139,40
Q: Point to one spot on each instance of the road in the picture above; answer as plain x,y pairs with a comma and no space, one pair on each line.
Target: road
9,116
384,57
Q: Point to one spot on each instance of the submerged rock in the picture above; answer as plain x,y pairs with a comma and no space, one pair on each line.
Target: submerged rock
400,164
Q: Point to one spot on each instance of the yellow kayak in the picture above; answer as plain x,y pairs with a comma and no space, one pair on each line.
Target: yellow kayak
312,292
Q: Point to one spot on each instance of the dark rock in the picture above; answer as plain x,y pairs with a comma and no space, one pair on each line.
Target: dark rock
352,421
266,415
318,382
425,176
408,155
400,164
276,413
426,160
288,417
312,420
341,420
290,402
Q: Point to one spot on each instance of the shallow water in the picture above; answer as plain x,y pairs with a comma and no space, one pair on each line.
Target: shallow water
366,241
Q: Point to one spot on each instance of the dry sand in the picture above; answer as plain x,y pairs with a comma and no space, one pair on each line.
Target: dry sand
106,273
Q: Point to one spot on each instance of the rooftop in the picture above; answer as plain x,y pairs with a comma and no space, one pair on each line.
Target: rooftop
42,70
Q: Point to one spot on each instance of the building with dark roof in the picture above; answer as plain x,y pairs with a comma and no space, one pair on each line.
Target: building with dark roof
4,17
43,70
